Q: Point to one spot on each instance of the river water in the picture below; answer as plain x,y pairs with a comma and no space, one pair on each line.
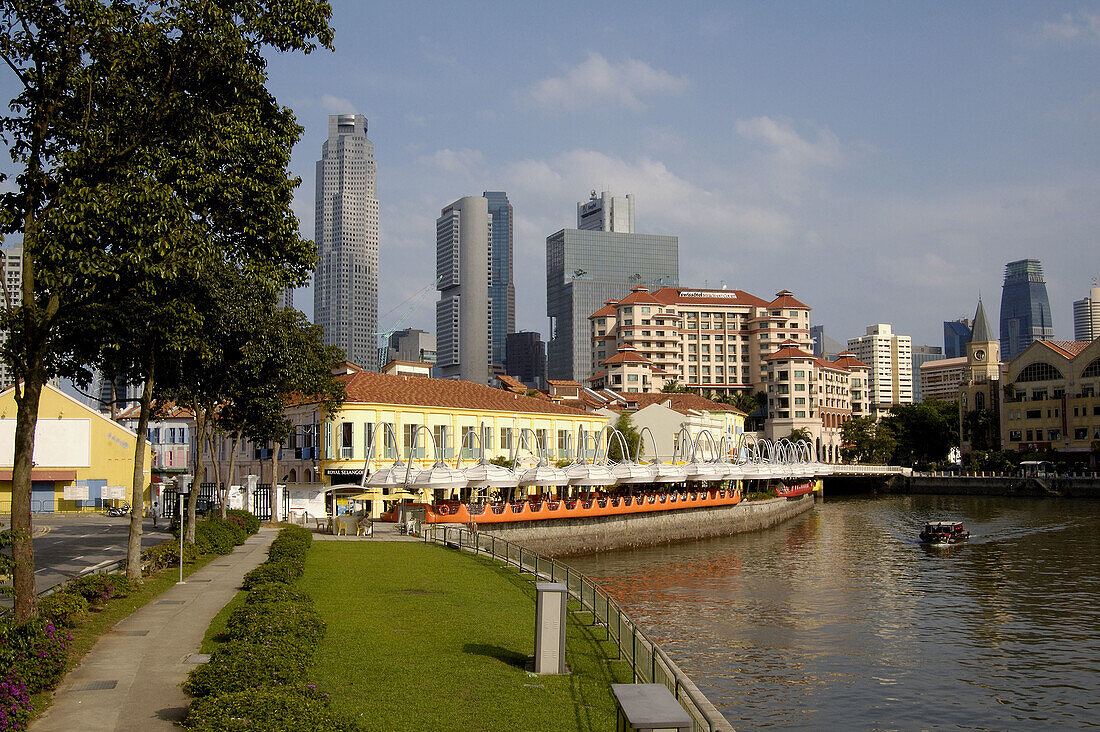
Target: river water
841,618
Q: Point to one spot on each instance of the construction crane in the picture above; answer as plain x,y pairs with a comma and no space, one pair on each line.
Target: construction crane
410,304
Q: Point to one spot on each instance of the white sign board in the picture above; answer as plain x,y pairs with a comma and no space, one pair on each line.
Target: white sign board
75,493
58,443
113,492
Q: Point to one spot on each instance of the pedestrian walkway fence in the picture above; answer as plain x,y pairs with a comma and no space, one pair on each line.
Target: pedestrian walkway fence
650,664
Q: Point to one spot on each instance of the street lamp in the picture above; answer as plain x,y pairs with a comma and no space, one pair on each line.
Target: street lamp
183,487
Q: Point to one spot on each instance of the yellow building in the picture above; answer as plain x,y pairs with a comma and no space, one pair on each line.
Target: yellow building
331,450
82,459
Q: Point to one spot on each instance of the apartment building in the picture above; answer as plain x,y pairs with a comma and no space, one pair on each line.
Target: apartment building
713,340
890,357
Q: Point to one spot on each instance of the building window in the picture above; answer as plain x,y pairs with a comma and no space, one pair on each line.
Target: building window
1053,435
1081,433
506,438
1014,435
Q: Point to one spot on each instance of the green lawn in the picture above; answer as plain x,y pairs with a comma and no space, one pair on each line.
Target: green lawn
425,637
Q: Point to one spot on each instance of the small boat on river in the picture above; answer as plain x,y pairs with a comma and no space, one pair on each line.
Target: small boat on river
944,532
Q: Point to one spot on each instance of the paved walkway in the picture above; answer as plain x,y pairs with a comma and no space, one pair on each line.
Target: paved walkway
131,679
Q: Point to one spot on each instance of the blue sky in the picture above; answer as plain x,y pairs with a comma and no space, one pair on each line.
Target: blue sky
881,160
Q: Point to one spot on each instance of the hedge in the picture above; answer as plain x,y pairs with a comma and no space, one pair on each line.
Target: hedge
249,520
63,609
33,651
241,666
99,588
273,709
284,570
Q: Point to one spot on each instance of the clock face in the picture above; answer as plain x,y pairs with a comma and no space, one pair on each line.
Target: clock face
979,354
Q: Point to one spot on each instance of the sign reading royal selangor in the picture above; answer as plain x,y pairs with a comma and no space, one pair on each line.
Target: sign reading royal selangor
343,473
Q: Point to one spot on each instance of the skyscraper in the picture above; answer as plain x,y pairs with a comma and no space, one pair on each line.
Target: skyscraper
1025,309
606,213
922,355
463,266
1086,316
345,285
11,266
502,290
587,267
956,334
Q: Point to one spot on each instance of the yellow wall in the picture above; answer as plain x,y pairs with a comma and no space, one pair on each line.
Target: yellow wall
111,448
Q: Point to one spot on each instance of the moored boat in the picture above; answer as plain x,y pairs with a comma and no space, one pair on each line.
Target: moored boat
944,532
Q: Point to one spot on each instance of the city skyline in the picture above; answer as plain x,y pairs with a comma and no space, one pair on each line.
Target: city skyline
884,162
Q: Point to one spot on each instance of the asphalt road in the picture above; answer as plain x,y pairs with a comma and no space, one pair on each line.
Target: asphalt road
66,545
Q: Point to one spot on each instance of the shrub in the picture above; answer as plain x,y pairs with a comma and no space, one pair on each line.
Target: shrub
99,588
274,592
292,543
241,666
295,623
63,609
15,703
284,570
214,536
34,652
278,709
167,554
249,520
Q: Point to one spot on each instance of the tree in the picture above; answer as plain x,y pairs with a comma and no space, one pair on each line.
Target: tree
801,434
866,441
673,387
924,433
136,116
625,425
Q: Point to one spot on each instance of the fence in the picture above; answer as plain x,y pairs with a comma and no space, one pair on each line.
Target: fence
650,664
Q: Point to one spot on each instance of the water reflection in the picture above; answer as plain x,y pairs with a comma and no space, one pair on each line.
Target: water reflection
841,616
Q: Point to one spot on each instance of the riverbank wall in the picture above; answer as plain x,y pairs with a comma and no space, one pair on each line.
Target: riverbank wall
1046,487
567,537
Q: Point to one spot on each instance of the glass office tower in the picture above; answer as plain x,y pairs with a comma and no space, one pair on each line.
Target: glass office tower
956,334
1025,309
586,268
502,290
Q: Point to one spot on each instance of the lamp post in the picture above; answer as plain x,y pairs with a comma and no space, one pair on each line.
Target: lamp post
183,487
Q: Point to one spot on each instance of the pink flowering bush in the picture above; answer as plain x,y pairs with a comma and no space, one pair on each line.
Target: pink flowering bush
15,704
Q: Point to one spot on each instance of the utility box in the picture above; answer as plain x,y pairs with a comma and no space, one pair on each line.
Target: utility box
550,605
649,708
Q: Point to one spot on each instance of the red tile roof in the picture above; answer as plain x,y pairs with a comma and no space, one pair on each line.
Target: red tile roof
510,383
672,296
681,402
639,295
785,299
1068,349
789,352
607,310
170,411
846,359
371,388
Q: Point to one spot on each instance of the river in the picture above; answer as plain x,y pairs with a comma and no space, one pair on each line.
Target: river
841,618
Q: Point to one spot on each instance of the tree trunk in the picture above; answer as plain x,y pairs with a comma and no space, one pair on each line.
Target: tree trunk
215,463
22,548
232,464
276,508
137,494
201,419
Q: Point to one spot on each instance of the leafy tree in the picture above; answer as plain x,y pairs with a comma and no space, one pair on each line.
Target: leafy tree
981,426
924,433
801,434
673,387
625,425
865,441
136,119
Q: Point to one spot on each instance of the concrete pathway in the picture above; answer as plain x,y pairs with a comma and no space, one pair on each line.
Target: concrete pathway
131,679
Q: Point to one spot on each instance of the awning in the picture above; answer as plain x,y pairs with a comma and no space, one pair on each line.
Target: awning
42,474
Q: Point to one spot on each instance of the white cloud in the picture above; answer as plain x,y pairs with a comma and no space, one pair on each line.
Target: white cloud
788,147
1082,27
596,82
464,162
337,105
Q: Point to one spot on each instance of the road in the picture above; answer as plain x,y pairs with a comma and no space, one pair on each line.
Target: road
66,545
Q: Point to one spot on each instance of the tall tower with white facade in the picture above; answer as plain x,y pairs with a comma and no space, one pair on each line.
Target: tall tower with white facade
1086,316
463,266
605,212
890,357
345,285
11,265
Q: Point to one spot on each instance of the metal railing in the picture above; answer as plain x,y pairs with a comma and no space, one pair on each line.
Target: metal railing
650,664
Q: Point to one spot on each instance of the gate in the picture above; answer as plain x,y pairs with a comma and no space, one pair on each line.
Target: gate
261,502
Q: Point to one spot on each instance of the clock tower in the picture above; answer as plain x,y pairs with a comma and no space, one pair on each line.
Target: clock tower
979,394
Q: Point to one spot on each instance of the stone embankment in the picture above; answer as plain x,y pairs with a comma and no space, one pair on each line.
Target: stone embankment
968,485
565,537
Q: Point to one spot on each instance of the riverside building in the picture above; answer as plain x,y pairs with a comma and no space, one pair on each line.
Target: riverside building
345,284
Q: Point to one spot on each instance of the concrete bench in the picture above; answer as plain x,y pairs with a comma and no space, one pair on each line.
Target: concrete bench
648,707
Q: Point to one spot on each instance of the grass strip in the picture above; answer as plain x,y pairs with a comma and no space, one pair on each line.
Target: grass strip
425,637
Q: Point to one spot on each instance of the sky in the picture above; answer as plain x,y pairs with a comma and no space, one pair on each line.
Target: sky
881,160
